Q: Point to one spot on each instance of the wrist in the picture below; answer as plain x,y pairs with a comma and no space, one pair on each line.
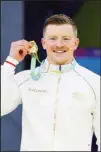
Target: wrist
11,61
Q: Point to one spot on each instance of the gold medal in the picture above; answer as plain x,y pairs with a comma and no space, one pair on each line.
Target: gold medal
34,48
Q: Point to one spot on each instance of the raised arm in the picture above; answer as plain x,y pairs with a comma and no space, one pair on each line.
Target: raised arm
10,93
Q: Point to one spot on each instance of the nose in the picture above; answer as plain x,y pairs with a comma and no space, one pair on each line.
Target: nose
59,43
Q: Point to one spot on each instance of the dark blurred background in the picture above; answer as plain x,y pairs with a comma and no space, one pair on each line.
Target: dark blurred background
24,20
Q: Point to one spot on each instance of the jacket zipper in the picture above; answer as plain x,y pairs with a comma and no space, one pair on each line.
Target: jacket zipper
56,106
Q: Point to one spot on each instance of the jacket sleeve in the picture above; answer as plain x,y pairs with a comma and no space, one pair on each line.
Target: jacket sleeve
96,114
10,93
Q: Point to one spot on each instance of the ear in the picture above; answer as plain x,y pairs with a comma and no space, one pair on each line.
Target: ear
77,41
43,43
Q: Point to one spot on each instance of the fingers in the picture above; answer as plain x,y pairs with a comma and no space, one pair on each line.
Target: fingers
22,50
19,49
27,45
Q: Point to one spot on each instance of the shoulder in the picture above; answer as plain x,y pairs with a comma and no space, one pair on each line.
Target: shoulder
92,78
22,76
86,73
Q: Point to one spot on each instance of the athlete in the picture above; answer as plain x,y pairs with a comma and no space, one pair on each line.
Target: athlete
60,98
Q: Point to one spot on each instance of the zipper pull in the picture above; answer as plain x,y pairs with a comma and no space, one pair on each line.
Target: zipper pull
59,67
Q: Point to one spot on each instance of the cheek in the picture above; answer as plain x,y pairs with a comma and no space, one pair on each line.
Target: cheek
50,46
71,46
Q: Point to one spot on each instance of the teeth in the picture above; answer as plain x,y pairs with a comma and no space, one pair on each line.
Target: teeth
59,51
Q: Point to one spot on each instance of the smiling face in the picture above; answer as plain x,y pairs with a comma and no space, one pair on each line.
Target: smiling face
60,41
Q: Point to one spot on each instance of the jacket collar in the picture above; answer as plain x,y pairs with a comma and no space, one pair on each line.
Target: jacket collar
47,68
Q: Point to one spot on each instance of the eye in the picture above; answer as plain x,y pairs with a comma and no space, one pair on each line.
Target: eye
66,38
53,38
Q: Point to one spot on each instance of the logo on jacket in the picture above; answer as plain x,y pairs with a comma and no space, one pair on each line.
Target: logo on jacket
78,95
38,90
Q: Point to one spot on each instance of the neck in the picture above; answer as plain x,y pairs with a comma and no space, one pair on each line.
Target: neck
58,63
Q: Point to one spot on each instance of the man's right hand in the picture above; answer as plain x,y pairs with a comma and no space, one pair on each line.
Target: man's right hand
19,49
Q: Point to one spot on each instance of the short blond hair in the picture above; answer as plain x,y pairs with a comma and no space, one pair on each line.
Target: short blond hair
60,19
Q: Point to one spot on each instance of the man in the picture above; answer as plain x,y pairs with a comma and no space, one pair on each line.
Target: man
61,109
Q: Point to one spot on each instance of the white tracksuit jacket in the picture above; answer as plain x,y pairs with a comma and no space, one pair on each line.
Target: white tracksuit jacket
61,110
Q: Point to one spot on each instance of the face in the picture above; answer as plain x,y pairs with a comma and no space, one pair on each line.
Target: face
60,41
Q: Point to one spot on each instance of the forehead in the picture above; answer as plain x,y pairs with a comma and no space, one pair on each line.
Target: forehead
59,30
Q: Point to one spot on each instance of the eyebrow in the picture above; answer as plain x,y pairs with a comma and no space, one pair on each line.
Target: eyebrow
68,36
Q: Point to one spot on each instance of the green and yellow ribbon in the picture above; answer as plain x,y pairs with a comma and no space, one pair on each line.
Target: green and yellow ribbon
34,73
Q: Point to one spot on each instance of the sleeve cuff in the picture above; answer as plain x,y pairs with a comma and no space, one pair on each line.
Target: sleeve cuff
10,65
12,60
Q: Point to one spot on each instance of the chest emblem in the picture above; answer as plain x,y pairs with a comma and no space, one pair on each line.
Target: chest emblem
38,90
78,96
